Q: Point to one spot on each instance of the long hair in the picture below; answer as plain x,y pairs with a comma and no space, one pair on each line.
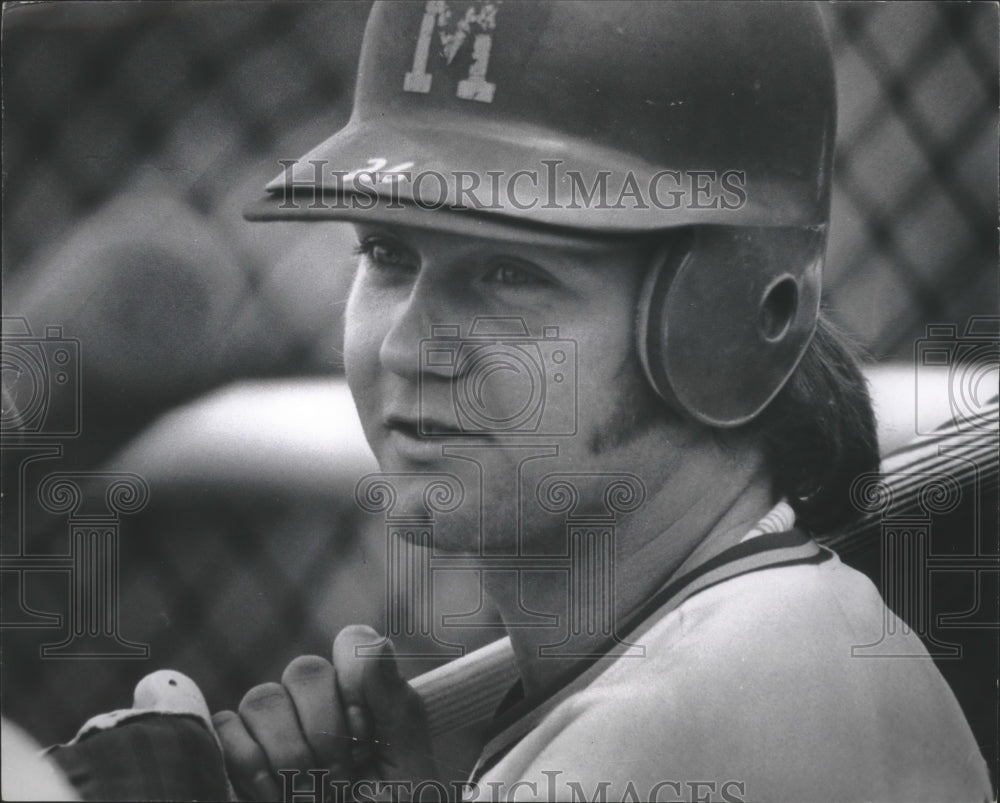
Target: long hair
819,433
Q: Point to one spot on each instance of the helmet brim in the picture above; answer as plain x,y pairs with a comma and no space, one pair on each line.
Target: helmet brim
471,180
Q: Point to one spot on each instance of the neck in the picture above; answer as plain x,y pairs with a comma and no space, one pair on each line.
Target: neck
689,519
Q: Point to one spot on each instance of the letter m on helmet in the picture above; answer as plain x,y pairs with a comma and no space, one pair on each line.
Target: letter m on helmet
478,22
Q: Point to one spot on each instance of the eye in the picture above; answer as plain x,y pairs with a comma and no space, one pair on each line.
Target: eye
515,273
384,253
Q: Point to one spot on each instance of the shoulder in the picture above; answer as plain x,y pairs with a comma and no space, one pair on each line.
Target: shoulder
757,682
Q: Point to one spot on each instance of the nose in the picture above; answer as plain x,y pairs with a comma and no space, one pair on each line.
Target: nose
416,319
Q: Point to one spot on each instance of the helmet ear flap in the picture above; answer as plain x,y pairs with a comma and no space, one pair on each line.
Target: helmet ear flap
725,315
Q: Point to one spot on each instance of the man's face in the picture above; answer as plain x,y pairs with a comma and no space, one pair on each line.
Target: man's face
499,411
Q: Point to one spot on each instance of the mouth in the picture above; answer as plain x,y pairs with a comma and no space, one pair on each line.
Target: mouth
420,429
402,426
424,428
422,438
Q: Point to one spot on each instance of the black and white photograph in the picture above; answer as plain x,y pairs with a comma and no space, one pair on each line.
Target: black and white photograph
500,400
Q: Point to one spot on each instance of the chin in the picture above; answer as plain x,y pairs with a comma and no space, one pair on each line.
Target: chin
457,536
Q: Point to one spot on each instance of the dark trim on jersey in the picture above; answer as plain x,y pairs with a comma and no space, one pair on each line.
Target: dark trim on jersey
768,551
759,545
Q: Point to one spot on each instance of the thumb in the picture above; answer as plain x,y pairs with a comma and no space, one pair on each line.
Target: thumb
379,703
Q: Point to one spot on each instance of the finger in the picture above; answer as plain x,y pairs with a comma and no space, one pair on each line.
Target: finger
398,711
395,710
349,661
269,715
246,763
311,684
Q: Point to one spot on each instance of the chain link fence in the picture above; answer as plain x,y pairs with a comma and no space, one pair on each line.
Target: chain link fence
133,136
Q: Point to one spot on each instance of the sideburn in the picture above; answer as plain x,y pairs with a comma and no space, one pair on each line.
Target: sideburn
636,411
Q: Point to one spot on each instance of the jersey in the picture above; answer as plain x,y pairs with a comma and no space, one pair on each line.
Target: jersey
752,688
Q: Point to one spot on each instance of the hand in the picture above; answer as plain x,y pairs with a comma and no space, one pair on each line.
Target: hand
355,717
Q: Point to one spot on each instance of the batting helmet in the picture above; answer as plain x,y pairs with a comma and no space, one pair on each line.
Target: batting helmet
609,119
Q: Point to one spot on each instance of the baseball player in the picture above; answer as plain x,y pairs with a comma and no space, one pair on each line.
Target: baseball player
652,183
590,242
